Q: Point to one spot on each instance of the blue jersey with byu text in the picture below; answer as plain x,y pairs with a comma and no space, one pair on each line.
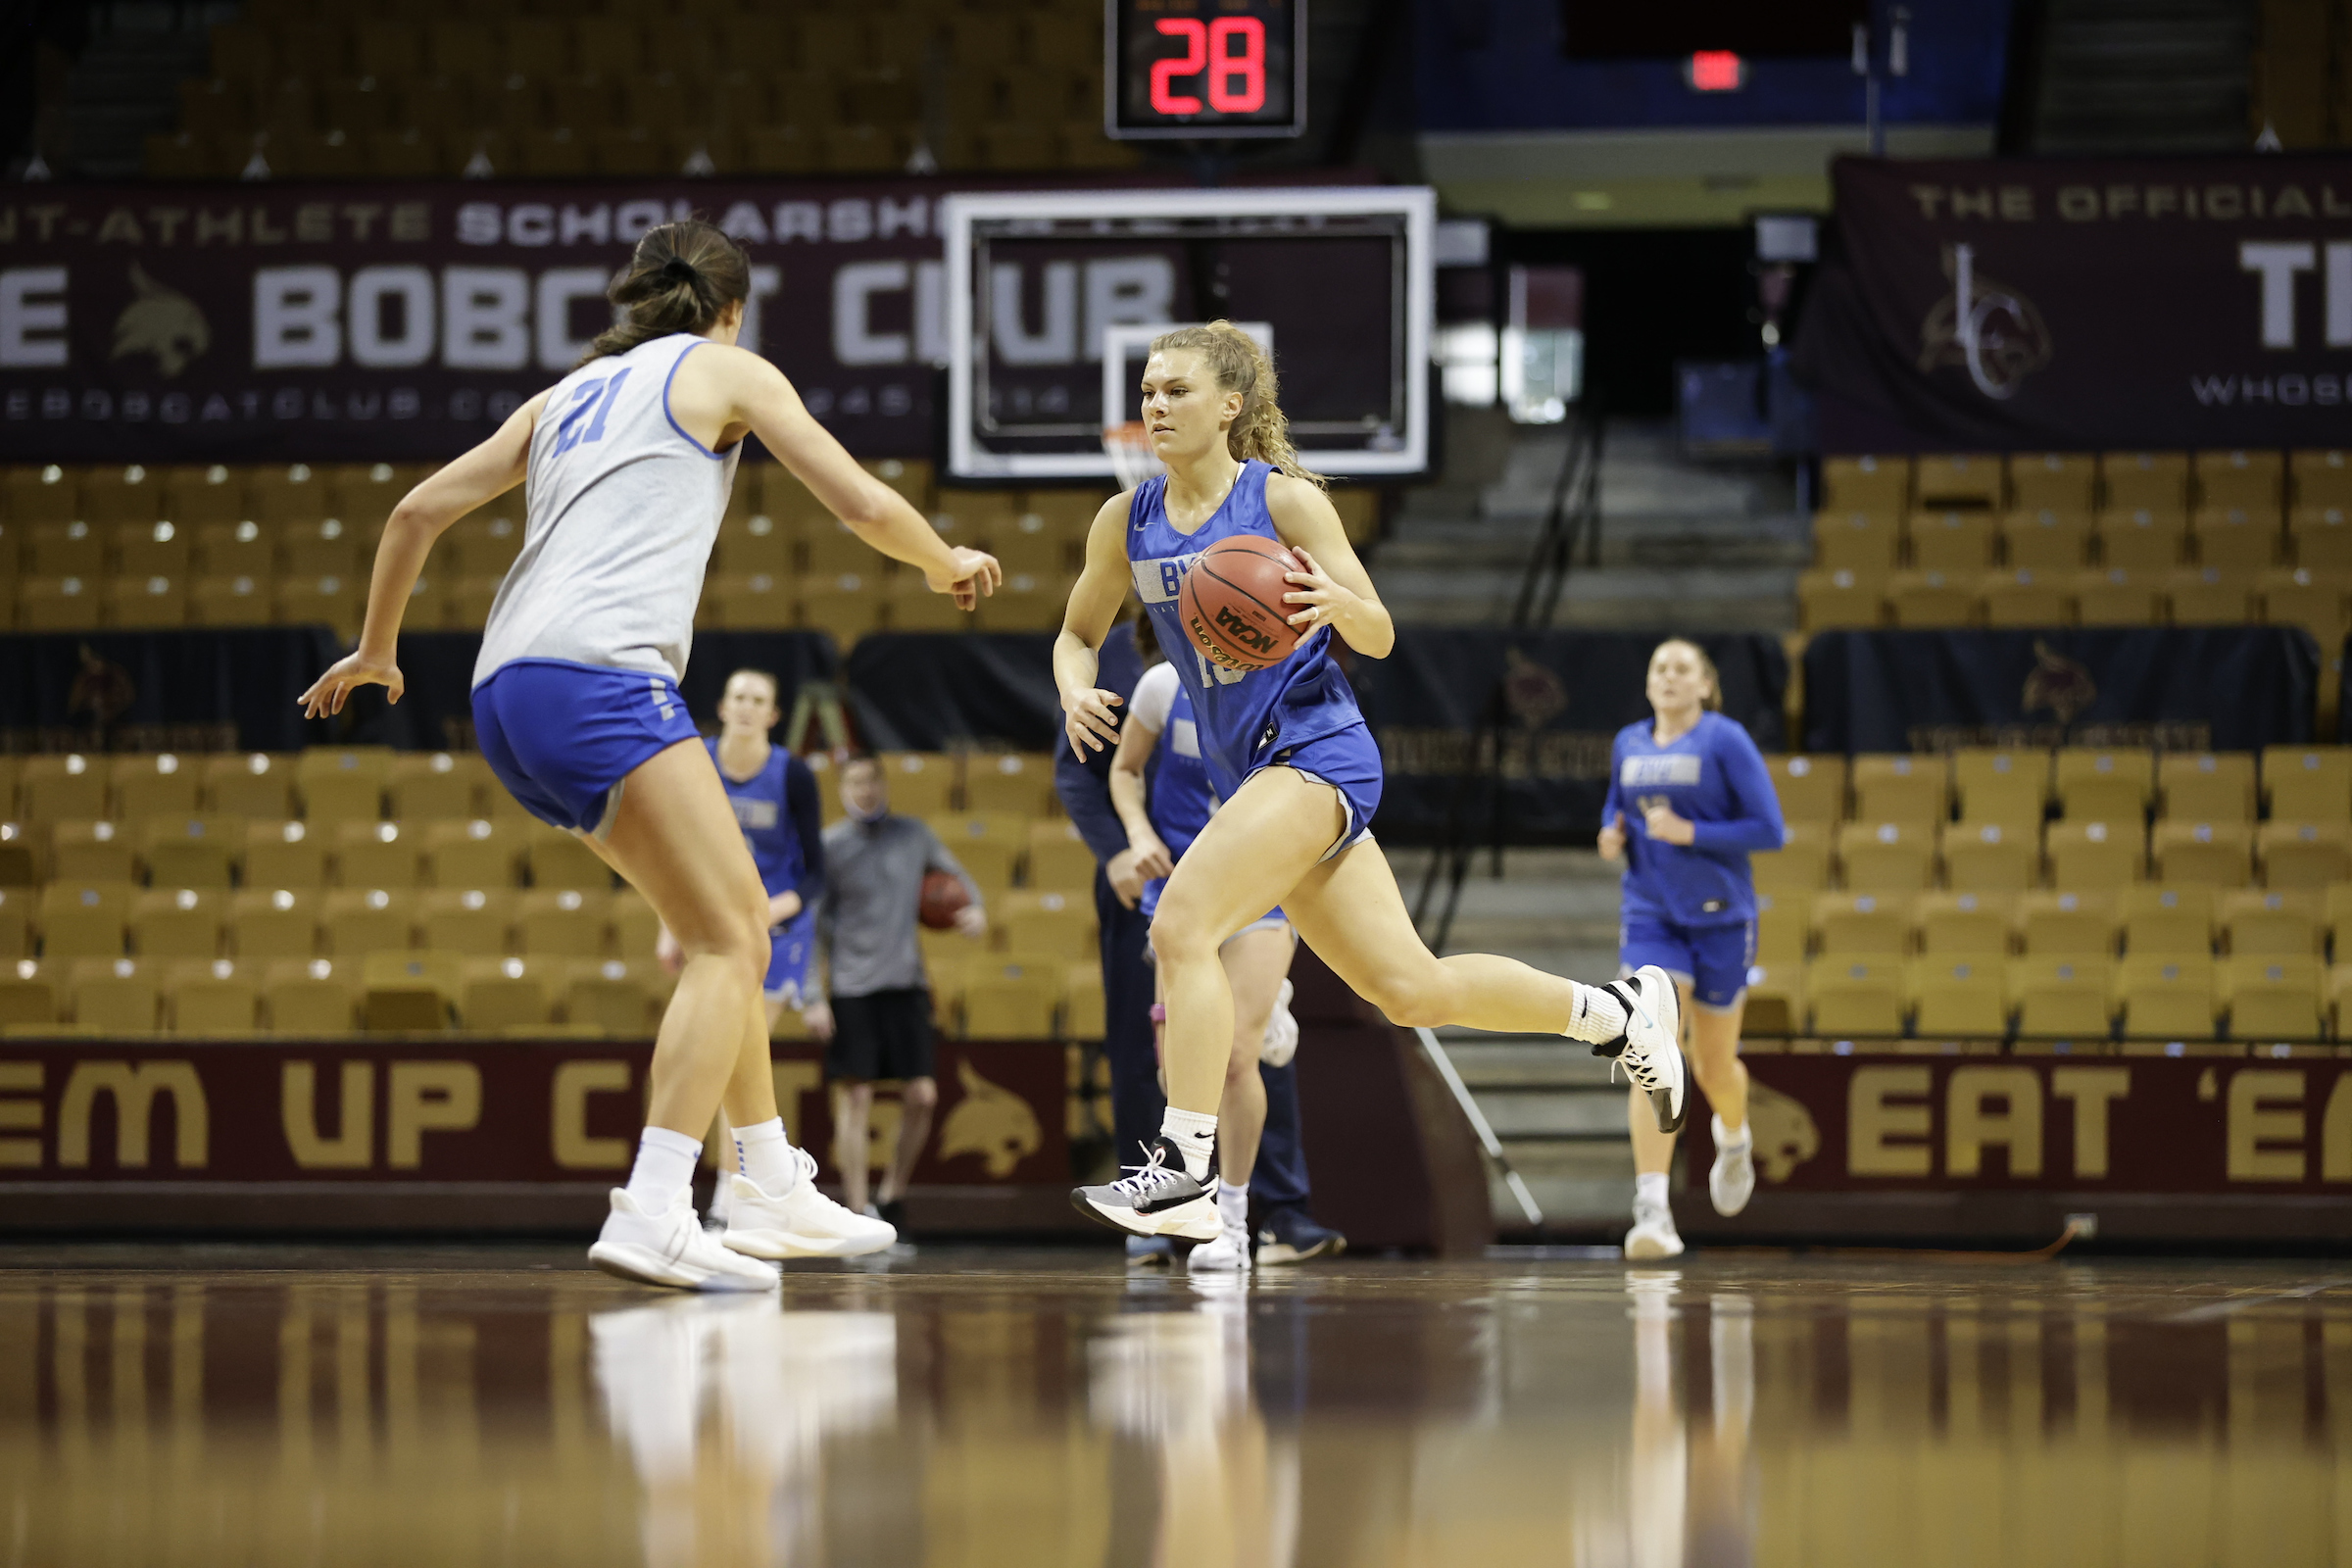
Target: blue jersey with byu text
1244,718
778,810
1714,778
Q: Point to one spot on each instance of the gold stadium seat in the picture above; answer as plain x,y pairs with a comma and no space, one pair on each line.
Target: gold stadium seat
756,601
562,923
2068,479
1861,925
2046,539
2165,996
409,990
1953,926
461,919
1082,1007
208,494
1952,541
191,850
212,996
376,854
2103,784
2319,537
636,928
2274,997
356,922
2310,596
1811,789
1885,857
2061,997
147,602
477,852
343,784
1009,999
2254,480
620,1000
2209,596
154,549
2301,783
2023,597
2303,855
2144,538
1020,783
1776,998
508,994
312,995
1957,997
920,783
1782,930
1864,542
1900,788
1060,923
2273,922
1026,602
49,493
1964,479
64,549
83,919
1932,599
2167,920
2214,854
2067,924
1991,858
559,858
2094,856
17,906
157,785
2239,539
250,784
90,851
435,784
57,604
2320,476
757,543
2158,479
115,996
284,854
177,923
2206,786
1881,484
1852,998
1058,857
2116,596
60,787
1840,597
2008,786
1800,865
267,923
229,599
29,995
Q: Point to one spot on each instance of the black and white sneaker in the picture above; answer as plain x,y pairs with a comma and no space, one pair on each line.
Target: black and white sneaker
1156,1198
1650,1051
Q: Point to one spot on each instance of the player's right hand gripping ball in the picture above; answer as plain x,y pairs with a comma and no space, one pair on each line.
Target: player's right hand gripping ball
1231,603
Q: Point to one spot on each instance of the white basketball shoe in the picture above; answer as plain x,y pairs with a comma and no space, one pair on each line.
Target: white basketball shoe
1653,1236
1650,1051
1229,1253
800,1221
1732,1179
671,1248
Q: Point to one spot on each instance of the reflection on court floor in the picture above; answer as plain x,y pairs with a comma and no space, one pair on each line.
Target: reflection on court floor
271,1406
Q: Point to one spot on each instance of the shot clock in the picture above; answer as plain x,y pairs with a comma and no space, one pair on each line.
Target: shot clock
1205,70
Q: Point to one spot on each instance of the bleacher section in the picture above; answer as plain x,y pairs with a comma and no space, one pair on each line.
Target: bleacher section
2077,901
306,89
332,891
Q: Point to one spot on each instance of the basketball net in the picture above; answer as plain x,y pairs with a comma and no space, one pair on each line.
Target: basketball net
1131,456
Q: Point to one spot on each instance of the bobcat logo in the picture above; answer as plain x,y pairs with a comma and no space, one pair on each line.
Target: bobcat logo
1534,693
1786,1137
2058,684
162,322
1985,326
102,689
992,1122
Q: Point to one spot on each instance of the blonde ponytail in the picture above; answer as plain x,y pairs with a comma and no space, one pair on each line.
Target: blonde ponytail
1239,364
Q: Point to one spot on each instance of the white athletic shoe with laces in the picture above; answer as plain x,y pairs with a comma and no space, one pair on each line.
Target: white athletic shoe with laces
800,1221
1732,1179
1653,1236
1230,1253
1652,1050
1281,1043
1157,1197
672,1250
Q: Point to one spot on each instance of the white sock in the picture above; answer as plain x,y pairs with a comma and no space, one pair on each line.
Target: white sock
1650,1187
765,1156
1600,1017
664,1168
1195,1133
1233,1206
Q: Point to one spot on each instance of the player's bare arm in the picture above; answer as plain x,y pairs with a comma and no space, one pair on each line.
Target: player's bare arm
1094,603
421,517
1335,590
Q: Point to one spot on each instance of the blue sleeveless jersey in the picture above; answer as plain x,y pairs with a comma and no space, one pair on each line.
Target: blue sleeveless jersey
1244,718
762,810
1181,798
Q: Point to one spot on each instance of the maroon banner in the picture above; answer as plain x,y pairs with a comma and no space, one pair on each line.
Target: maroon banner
416,1110
393,321
2072,304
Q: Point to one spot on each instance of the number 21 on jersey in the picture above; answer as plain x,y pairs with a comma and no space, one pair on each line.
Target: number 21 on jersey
591,400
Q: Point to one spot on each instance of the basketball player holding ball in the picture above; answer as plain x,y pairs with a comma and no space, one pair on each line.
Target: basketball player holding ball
1244,570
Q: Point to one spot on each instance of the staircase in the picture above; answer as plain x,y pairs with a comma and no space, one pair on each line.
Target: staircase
2144,77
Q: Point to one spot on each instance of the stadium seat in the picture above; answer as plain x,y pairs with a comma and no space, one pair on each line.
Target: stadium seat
2046,540
2060,997
986,846
2165,996
1861,925
83,919
2100,784
240,599
2156,479
355,921
191,851
2210,596
910,606
1999,785
2239,540
154,549
1016,782
1783,929
1957,480
618,1000
1956,542
1850,998
2251,480
2094,856
2274,996
756,601
507,995
2319,538
920,783
436,784
1060,923
403,992
17,909
1060,860
2214,854
61,788
1863,542
267,923
28,996
343,785
2143,539
562,923
2206,786
65,550
2167,920
249,784
2271,923
90,851
1026,602
322,549
2312,597
284,854
312,995
376,854
560,859
461,919
1799,866
1931,599
177,923
2022,597
1012,1000
1885,857
1957,997
2064,481
1082,1002
2116,596
2305,784
116,997
1811,789
2303,855
475,852
1876,484
215,997
1829,600
1991,858
1898,788
157,785
1963,924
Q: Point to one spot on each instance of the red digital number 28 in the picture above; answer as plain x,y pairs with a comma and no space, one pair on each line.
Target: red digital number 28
1237,81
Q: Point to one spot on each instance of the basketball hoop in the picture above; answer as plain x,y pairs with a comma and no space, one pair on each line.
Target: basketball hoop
1131,455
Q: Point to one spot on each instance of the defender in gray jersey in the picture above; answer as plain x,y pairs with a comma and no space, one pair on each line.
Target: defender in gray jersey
627,462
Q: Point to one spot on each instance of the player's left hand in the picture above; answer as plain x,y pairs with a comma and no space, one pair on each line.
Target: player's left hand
973,577
347,675
1660,822
972,921
783,907
1325,599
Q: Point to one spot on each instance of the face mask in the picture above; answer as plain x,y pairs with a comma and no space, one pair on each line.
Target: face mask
875,815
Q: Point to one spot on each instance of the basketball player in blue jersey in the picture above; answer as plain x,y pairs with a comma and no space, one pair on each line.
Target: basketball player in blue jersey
1689,799
628,461
1297,771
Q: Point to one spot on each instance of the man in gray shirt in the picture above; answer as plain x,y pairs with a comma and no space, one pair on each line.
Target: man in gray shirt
876,1017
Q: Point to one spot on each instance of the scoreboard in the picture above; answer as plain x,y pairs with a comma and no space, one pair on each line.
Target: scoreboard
1205,70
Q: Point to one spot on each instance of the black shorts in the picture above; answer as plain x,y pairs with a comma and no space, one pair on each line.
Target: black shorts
885,1035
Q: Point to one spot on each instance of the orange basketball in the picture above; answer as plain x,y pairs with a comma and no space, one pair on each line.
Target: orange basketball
943,900
1231,603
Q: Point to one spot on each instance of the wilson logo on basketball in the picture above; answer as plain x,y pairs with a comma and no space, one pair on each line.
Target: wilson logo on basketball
1232,602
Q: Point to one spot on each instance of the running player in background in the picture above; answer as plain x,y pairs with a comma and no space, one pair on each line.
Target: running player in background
1297,771
575,703
1163,818
775,795
1689,799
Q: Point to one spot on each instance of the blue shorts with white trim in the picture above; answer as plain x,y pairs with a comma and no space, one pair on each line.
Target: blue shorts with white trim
561,736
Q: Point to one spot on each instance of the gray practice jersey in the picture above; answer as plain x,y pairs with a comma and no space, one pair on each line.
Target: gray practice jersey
620,509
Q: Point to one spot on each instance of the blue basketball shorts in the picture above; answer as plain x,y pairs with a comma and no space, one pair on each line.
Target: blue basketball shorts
561,736
1149,903
1712,959
790,948
1350,762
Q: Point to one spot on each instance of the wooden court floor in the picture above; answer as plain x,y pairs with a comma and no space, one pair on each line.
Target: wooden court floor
275,1405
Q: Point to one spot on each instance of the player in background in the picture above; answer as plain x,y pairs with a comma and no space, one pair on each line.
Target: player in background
1297,771
575,703
775,802
1162,817
1689,799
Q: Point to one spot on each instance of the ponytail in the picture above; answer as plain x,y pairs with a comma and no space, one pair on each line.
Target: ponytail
681,279
1240,365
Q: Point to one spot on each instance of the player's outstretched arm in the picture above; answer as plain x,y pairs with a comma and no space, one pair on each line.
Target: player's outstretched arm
1335,590
1094,603
421,517
760,399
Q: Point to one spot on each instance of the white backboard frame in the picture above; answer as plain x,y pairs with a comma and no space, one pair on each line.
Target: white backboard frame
1305,207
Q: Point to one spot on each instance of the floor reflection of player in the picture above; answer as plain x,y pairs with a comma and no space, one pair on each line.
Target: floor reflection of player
776,1386
1686,1497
